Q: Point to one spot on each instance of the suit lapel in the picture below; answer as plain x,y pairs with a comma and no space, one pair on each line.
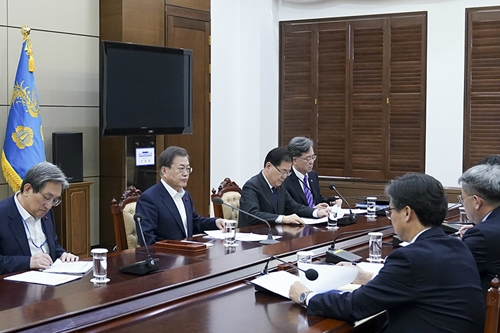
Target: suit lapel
298,188
268,193
188,206
170,205
17,228
47,227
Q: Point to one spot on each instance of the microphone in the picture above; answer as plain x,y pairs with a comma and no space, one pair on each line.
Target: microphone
311,274
269,240
351,219
334,256
145,266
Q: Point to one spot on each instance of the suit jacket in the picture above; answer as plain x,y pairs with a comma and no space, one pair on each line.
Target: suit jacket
483,241
15,253
431,285
294,187
257,199
161,219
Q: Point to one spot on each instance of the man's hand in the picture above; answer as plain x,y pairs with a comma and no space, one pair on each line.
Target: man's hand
464,228
68,257
40,261
292,219
220,223
363,276
322,205
322,213
296,289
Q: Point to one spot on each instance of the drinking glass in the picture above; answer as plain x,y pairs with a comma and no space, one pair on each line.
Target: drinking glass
230,233
371,207
100,265
375,247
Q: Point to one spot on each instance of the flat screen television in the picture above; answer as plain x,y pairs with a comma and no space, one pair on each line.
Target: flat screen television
145,90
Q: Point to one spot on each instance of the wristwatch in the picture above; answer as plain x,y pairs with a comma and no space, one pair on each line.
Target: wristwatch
303,298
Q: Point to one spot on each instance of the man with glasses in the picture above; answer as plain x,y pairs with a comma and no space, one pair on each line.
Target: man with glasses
480,196
27,232
303,182
430,285
265,196
166,208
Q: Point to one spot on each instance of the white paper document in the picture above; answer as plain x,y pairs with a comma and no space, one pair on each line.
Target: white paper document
48,279
309,220
240,236
76,267
330,277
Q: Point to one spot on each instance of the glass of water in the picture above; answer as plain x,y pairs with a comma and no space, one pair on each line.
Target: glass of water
230,233
375,247
371,207
100,265
332,217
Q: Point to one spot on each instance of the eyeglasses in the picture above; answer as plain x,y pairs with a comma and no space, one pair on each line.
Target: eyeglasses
184,169
284,173
308,159
388,212
48,200
461,199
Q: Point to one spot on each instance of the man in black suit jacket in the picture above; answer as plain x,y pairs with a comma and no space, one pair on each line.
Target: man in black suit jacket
480,196
166,208
265,195
303,182
431,285
27,231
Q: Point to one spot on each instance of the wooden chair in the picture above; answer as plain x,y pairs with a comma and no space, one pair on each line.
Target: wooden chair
123,219
492,324
230,192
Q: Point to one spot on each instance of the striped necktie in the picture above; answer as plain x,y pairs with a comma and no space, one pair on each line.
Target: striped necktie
307,192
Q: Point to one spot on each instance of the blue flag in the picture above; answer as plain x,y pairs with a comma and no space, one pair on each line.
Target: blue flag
23,146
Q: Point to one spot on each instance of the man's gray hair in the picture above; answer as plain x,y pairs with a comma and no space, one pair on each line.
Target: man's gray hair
484,181
42,173
299,145
168,155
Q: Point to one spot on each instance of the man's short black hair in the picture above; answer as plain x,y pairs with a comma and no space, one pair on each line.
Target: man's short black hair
423,194
491,160
278,155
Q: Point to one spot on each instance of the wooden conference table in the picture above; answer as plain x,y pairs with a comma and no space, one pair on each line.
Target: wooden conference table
207,292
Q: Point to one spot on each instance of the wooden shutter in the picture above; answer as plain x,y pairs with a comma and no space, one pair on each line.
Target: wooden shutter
297,108
406,151
482,87
366,137
332,98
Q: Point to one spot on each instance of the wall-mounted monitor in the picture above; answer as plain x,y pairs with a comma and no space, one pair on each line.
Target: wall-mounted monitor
145,90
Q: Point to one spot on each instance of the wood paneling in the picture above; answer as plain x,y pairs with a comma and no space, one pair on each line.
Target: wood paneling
356,87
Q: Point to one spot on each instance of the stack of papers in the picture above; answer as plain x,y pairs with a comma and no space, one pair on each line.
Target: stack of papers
240,236
76,267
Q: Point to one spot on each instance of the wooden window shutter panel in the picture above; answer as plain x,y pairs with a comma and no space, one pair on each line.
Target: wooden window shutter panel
482,87
406,151
296,82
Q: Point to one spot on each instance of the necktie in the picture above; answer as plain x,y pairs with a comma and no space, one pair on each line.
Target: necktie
307,192
275,194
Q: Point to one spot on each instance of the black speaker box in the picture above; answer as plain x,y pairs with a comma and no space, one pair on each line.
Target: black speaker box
67,154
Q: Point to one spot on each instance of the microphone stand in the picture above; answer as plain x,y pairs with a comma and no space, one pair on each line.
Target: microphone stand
351,219
269,240
311,274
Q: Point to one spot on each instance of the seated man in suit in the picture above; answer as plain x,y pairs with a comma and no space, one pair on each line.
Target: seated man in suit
431,285
303,183
480,196
27,232
167,209
264,195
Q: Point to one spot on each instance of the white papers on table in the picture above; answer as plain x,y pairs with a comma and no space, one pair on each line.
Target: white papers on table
240,236
330,277
75,267
309,220
371,267
43,278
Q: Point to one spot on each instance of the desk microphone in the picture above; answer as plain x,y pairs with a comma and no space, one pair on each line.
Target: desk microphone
145,266
311,274
269,240
334,256
351,219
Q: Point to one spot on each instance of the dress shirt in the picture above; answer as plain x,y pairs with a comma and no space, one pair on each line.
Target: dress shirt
177,197
34,232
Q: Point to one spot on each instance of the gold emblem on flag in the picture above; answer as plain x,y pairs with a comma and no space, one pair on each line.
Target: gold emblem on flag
23,137
23,95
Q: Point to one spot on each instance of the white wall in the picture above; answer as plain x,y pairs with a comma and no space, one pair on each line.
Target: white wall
255,131
65,39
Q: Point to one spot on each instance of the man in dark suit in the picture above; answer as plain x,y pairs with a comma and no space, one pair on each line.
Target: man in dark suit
480,196
167,209
27,232
265,196
431,285
303,182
